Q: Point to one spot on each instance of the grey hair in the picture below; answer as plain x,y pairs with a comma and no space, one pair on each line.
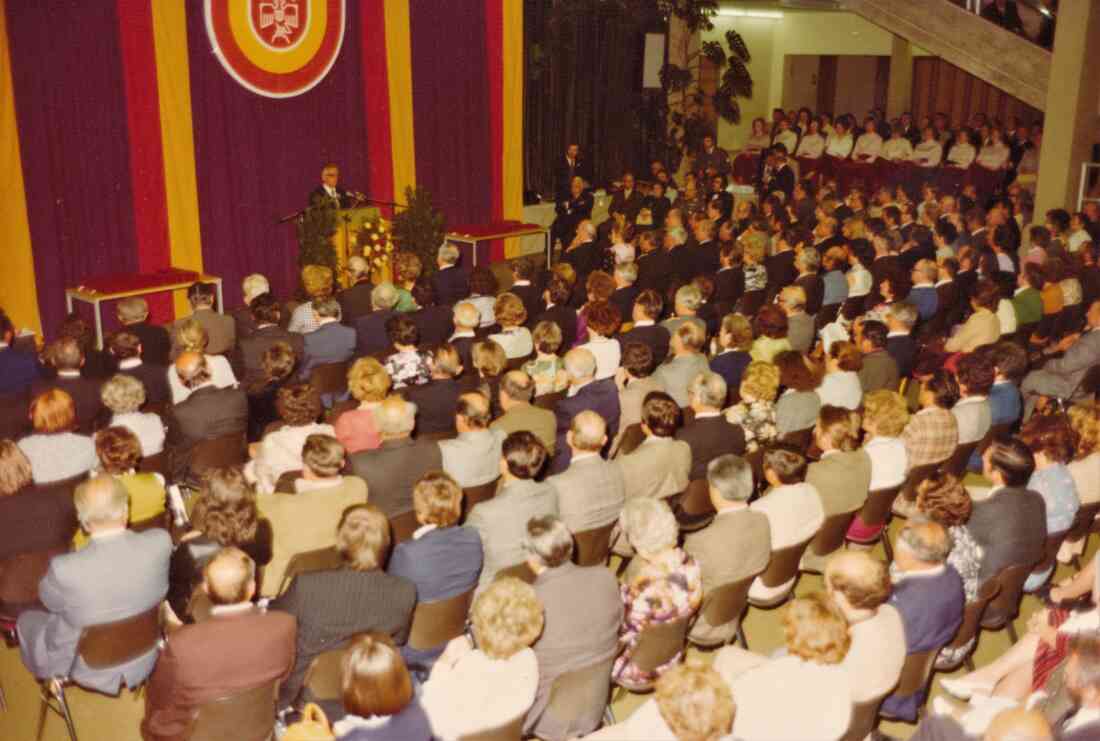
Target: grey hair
689,296
549,540
393,419
589,430
122,394
905,313
628,271
808,259
709,389
588,228
94,510
649,525
357,265
679,234
448,253
580,363
133,309
919,539
731,475
384,296
328,308
254,285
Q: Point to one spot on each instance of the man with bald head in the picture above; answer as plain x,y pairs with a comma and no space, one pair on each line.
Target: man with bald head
207,413
240,647
472,458
591,491
584,392
517,390
119,574
392,469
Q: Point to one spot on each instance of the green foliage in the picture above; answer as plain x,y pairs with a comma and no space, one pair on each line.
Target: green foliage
420,228
315,231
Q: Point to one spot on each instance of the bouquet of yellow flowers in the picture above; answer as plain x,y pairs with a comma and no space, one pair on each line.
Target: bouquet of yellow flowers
375,242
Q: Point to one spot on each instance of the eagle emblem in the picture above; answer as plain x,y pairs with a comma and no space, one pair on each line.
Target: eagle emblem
280,21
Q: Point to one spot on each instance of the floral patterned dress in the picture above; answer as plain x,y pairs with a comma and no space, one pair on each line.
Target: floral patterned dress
408,368
661,592
544,372
965,558
757,419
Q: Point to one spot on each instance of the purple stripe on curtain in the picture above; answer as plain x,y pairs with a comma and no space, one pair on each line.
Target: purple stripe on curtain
71,110
257,158
451,107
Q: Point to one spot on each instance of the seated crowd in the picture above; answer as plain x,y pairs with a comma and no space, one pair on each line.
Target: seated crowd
408,494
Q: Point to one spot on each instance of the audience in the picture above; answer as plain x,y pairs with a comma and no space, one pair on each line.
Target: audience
660,465
472,458
280,450
55,451
356,428
517,392
127,349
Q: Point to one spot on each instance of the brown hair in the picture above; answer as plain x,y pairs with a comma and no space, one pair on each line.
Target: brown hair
771,322
15,469
547,337
53,411
524,454
401,330
363,537
838,425
650,303
1051,435
406,267
987,294
603,318
660,414
739,329
637,359
599,286
509,310
225,509
118,449
847,356
323,454
942,498
437,499
375,680
796,371
976,372
815,630
298,404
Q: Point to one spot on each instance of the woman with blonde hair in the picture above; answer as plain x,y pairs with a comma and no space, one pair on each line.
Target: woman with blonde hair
407,268
490,362
55,451
1084,466
755,413
379,699
317,282
192,337
511,314
124,395
489,677
369,384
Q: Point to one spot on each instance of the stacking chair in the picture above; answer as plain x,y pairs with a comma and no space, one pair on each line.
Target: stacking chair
915,675
100,647
972,619
218,452
520,571
956,464
246,715
593,546
473,495
154,464
876,511
725,605
631,438
828,539
324,677
549,401
578,699
656,646
330,378
916,476
403,526
322,559
1082,527
799,439
1005,605
435,623
782,568
694,510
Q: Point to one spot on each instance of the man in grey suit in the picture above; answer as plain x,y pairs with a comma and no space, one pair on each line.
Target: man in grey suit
472,458
221,330
502,521
266,312
580,626
331,342
118,575
516,392
736,546
1061,377
591,491
800,325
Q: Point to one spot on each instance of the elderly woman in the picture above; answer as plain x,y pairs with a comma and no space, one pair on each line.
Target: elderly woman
124,395
224,514
379,699
545,368
119,452
55,451
799,404
408,366
770,328
278,364
1050,439
885,415
663,584
34,526
317,284
191,337
1085,466
755,413
253,285
487,679
513,336
603,321
490,362
983,327
840,387
299,407
369,384
406,270
483,288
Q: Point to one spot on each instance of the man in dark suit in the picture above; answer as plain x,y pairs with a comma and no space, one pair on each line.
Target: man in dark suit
266,313
331,342
66,358
708,433
571,210
329,192
437,400
626,276
370,329
451,283
355,300
558,311
729,281
647,310
704,254
780,268
156,345
524,286
626,201
572,165
18,369
880,370
781,176
433,320
333,606
581,252
209,412
125,347
900,319
240,647
585,392
392,469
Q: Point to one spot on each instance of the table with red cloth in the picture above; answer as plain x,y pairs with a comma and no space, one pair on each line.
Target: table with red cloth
123,285
474,235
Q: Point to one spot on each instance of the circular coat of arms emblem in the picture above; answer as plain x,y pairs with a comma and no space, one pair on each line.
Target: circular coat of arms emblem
276,48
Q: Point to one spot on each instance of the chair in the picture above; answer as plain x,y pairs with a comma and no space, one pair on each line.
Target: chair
725,605
510,731
782,567
100,647
288,482
322,559
1050,552
219,452
956,464
435,623
329,378
864,719
830,537
631,438
1005,606
249,714
972,618
915,674
915,477
578,698
826,315
520,571
694,509
593,546
516,363
472,495
154,464
798,439
657,644
1082,528
160,521
324,677
876,512
403,526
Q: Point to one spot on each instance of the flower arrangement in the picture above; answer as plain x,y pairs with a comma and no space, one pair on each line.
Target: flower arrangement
375,241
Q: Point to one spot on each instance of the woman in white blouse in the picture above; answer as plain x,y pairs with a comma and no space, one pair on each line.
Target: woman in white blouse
513,336
124,395
486,679
191,337
929,152
812,145
839,143
994,155
841,387
897,148
962,153
603,323
758,140
869,145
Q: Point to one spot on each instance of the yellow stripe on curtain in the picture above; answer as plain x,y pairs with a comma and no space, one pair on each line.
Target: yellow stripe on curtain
18,294
399,72
512,180
178,138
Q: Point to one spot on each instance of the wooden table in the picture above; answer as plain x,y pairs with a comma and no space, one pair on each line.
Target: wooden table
95,298
491,232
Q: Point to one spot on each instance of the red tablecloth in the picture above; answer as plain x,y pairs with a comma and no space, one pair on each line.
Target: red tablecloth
135,281
477,231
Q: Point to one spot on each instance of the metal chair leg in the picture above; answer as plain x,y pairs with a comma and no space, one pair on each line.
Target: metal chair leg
1012,631
969,661
741,636
42,714
65,710
886,544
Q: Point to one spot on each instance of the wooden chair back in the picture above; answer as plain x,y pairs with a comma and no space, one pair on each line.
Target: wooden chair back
288,482
578,698
727,603
1050,551
751,301
160,521
435,623
593,546
120,641
516,363
154,464
631,438
972,615
917,475
783,565
658,643
325,676
956,464
798,439
473,495
831,535
330,378
246,715
322,559
1006,604
510,731
1083,522
876,510
696,498
403,526
549,401
916,673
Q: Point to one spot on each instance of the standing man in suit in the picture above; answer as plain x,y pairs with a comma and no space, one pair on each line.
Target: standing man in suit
221,330
709,434
392,469
240,647
517,389
266,314
583,611
355,299
734,547
502,521
451,283
119,574
329,192
571,166
156,345
1062,376
126,348
591,492
472,458
66,358
331,342
207,413
585,392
